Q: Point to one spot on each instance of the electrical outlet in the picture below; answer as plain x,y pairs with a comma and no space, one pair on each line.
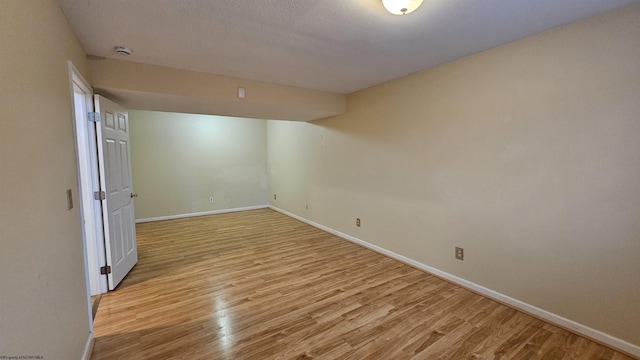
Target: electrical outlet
307,206
358,222
211,199
459,253
275,197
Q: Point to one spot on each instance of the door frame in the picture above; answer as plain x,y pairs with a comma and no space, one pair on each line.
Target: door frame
88,183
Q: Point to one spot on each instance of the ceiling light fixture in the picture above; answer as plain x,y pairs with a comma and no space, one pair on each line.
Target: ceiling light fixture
401,7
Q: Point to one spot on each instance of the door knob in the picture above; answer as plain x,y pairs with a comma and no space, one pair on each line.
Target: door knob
134,195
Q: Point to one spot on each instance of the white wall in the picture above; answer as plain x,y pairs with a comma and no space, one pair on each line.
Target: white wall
180,160
43,297
527,156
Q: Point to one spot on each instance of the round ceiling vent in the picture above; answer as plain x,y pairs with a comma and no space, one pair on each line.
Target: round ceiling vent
122,50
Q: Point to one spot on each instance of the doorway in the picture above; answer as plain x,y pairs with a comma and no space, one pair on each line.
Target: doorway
101,129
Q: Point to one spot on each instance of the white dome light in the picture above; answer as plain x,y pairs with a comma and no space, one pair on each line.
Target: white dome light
401,7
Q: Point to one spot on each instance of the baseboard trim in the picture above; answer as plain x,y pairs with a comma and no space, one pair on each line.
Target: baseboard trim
213,212
88,348
570,325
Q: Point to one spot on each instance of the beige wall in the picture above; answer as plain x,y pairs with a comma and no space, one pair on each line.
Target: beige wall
160,88
180,160
527,156
43,297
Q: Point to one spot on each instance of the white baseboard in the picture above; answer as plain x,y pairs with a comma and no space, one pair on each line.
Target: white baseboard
213,212
88,348
558,320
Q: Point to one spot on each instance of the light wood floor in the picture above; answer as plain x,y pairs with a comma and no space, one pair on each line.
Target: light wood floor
260,285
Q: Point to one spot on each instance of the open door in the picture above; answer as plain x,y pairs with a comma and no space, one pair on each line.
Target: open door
115,180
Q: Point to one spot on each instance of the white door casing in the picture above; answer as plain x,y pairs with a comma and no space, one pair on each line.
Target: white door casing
86,163
115,180
89,182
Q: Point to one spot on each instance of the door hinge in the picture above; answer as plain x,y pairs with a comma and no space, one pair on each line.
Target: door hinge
105,270
99,195
93,116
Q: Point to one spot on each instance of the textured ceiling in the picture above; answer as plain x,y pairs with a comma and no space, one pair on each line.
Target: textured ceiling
332,45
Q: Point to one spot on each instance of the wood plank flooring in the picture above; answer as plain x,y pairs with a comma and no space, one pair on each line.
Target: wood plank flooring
95,302
260,285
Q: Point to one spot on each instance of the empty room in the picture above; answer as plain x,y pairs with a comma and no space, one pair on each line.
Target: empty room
298,179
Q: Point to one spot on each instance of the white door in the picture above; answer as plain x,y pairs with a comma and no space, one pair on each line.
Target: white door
115,180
